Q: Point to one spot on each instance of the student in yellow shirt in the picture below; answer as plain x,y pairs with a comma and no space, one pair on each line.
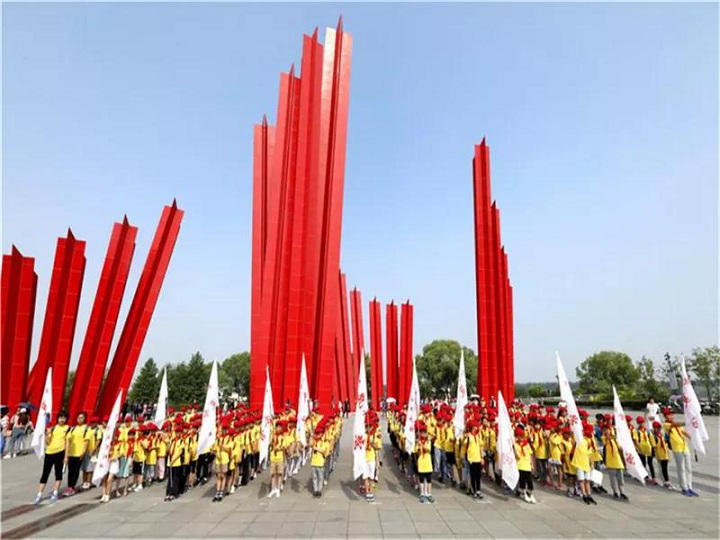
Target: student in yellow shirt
662,453
582,461
678,438
614,462
423,450
538,439
320,451
475,458
93,438
278,445
569,470
150,453
523,455
449,449
75,452
162,448
55,442
556,446
644,445
116,452
223,449
174,461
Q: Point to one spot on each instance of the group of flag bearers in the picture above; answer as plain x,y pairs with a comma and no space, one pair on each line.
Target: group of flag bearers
515,446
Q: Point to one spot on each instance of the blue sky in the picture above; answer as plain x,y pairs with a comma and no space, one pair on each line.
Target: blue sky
602,122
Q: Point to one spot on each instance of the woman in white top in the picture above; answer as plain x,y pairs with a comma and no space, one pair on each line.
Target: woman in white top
652,412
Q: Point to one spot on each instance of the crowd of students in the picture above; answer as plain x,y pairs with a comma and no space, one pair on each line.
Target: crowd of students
143,453
545,450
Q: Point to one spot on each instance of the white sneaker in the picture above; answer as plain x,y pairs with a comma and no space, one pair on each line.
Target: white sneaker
139,488
7,456
277,494
271,494
532,499
232,489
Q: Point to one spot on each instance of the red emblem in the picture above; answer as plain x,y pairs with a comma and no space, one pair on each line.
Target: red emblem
359,442
573,419
361,398
695,422
686,400
629,459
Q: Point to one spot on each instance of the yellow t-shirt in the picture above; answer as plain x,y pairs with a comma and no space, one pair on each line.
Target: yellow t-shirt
662,452
449,439
175,452
568,466
162,447
539,444
139,453
642,440
474,448
557,446
369,448
94,438
151,457
424,457
58,435
277,449
523,455
76,440
320,450
581,458
613,455
223,446
678,442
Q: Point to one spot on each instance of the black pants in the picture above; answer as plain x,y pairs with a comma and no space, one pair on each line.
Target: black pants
475,473
526,480
203,466
173,484
74,464
664,467
647,462
53,461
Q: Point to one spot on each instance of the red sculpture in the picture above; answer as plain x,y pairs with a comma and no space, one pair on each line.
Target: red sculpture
376,356
142,307
60,319
103,319
493,290
298,178
406,350
391,342
19,288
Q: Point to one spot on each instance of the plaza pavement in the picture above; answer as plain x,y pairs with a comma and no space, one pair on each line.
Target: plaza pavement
651,513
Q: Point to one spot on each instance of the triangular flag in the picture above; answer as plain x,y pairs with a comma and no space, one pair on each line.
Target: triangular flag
632,461
506,446
694,423
103,461
161,410
267,418
461,399
303,409
361,407
46,405
567,396
208,428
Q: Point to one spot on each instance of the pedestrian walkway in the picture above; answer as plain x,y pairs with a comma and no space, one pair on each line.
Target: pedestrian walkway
342,512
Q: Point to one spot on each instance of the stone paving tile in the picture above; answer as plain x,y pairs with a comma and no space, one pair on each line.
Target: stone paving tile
365,528
229,529
262,529
296,530
397,527
331,529
201,529
432,527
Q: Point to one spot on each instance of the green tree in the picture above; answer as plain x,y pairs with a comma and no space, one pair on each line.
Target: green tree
537,391
599,372
68,385
648,386
237,370
146,387
705,364
438,367
187,382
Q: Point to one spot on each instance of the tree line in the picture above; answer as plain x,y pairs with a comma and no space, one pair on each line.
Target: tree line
437,369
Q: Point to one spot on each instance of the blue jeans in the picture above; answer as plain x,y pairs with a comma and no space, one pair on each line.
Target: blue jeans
15,442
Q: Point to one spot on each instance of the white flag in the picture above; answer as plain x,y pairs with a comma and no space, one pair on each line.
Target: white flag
632,461
361,407
103,461
38,439
694,424
208,429
303,410
506,446
461,399
161,410
267,418
567,396
412,412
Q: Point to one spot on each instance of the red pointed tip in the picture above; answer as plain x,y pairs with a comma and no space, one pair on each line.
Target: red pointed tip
174,204
340,23
15,251
315,34
70,234
264,120
125,221
292,69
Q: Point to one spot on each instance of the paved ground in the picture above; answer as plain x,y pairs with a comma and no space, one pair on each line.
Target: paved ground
651,513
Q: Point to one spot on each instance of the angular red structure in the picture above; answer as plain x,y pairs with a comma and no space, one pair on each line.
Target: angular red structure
142,307
493,291
351,373
103,319
60,319
298,180
358,329
406,351
376,355
19,290
391,343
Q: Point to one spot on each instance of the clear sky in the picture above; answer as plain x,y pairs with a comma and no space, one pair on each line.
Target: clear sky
602,122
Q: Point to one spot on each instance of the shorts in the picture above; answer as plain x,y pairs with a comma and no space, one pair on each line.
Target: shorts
221,469
554,462
114,468
125,467
137,467
87,465
277,467
369,470
582,475
450,457
425,477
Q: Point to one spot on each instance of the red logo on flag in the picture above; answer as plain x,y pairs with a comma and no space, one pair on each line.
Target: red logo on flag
573,419
359,442
695,422
629,459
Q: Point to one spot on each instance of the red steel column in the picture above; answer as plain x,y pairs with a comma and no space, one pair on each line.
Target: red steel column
350,374
406,350
358,345
391,342
103,319
19,288
511,345
502,321
60,319
142,307
494,297
263,143
376,360
481,199
333,140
